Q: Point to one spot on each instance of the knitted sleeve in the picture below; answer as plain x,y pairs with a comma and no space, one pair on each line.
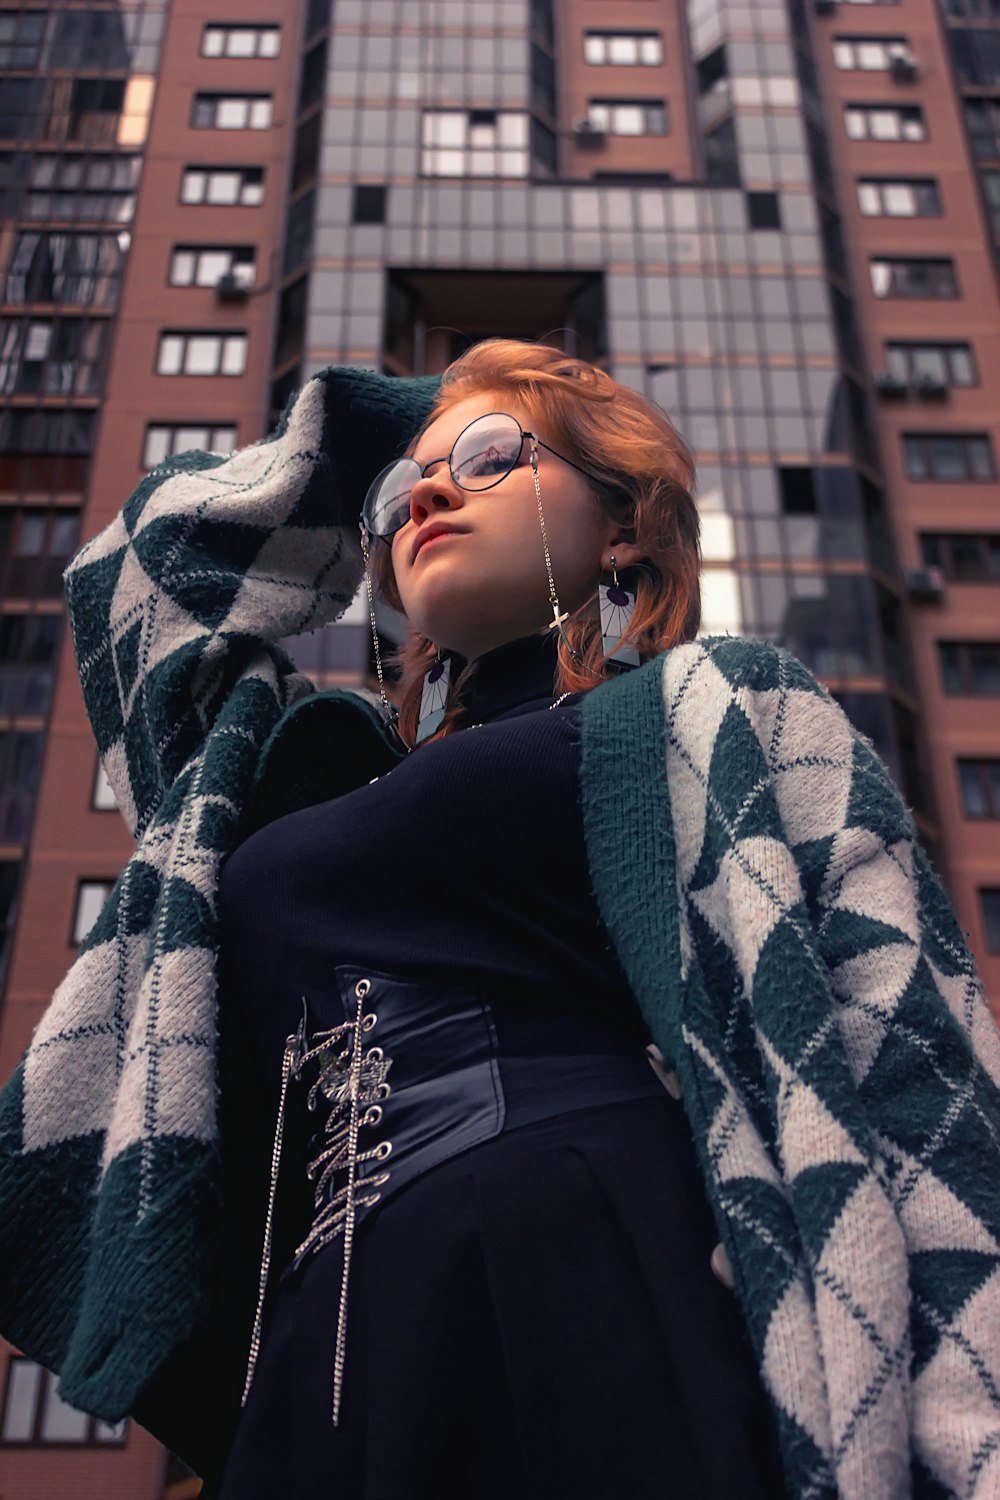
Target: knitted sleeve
924,1053
210,562
842,1066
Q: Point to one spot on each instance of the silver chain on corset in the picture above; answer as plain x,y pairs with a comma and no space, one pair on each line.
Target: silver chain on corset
349,1078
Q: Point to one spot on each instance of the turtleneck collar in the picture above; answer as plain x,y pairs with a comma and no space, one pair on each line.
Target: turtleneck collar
513,674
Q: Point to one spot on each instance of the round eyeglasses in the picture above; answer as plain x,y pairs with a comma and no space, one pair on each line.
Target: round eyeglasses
481,455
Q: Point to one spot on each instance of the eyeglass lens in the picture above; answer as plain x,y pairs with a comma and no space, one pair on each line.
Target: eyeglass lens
484,451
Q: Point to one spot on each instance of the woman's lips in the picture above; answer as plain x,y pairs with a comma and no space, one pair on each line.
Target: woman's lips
442,536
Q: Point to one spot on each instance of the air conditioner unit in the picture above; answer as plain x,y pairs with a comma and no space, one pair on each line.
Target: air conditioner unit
825,7
229,289
925,583
902,69
586,133
890,385
930,387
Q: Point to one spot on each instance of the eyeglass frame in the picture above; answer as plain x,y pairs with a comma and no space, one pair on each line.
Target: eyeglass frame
479,489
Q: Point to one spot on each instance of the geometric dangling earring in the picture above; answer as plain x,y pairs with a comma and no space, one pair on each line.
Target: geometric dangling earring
437,680
617,605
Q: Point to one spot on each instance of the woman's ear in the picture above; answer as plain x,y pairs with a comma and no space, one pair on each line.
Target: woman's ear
626,554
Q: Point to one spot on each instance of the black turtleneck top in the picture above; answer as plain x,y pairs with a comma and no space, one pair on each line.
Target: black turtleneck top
464,862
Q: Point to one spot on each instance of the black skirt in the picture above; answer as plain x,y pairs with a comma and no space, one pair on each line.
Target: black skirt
533,1318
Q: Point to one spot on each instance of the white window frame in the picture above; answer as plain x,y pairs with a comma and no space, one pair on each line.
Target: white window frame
181,353
241,41
859,120
249,194
31,1403
869,54
102,797
633,48
165,439
205,264
90,898
238,111
890,199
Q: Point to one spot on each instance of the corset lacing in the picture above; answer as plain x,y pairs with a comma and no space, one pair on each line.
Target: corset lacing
351,1079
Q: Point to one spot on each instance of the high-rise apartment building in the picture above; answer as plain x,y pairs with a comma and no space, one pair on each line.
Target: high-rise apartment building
779,220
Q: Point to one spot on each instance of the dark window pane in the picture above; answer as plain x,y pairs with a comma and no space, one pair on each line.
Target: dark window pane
990,903
984,658
974,802
763,211
951,666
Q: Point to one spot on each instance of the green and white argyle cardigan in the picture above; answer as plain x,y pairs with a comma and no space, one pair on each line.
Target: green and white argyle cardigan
791,951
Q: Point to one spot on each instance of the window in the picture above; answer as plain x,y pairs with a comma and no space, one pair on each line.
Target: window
898,198
908,276
29,644
973,10
241,187
623,48
50,357
872,54
35,545
982,121
989,903
975,55
88,38
630,116
963,556
10,872
885,122
34,1413
81,188
763,211
952,364
241,41
62,266
201,354
948,455
369,203
163,439
21,36
991,192
474,143
231,111
979,783
102,798
90,898
203,265
20,769
713,69
970,667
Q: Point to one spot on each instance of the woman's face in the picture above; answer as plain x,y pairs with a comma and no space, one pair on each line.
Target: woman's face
487,583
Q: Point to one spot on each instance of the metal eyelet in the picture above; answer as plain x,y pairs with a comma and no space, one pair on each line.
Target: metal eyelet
373,1114
369,1021
362,987
382,1150
383,1091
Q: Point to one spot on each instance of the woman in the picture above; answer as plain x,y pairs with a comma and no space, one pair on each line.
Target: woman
470,1244
538,1162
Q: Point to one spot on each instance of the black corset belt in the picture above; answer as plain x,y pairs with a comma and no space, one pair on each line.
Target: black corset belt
403,1074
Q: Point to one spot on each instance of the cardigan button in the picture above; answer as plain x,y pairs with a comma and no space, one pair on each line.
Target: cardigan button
666,1075
719,1262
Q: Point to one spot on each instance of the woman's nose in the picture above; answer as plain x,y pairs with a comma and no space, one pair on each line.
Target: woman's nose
437,491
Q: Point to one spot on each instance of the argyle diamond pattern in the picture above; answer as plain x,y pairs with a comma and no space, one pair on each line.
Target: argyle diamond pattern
790,947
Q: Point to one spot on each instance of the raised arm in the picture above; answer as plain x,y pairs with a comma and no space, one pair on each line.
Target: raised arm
212,560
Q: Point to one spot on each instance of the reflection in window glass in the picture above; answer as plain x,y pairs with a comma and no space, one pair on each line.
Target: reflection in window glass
62,1423
24,1380
90,898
